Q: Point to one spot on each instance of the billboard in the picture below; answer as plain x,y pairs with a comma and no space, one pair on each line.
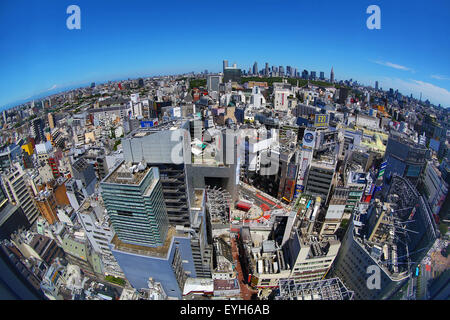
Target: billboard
382,169
321,120
146,124
289,189
292,170
302,171
309,138
149,124
298,189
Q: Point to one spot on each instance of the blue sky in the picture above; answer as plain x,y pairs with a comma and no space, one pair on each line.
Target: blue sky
121,39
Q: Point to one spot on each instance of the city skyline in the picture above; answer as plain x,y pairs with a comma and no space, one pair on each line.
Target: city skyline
226,187
119,41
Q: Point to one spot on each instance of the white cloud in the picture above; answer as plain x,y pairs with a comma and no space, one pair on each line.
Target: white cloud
53,87
393,65
439,77
435,94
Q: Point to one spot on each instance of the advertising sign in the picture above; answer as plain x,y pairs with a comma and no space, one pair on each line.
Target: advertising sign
309,139
292,170
321,120
146,124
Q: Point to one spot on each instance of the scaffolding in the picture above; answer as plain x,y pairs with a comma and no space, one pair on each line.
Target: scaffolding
218,204
328,289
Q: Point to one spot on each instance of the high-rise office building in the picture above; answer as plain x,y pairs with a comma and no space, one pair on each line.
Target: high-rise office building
180,174
322,75
405,157
305,74
343,94
232,74
37,127
225,65
170,151
288,71
18,192
85,172
51,122
392,237
332,75
266,70
319,179
212,82
17,281
155,146
12,218
376,85
255,68
145,244
46,203
135,205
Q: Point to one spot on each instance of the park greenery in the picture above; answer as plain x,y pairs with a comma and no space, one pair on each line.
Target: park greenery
118,281
197,83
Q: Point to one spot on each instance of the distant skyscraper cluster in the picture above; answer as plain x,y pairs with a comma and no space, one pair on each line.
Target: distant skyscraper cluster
275,71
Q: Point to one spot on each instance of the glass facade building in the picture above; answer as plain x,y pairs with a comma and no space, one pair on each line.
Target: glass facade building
135,204
405,158
232,74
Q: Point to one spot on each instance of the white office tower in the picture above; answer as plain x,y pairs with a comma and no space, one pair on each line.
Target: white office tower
135,97
281,92
92,216
257,100
213,82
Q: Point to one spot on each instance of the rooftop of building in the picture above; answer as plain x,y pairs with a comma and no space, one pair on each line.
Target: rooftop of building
222,285
198,285
81,164
161,126
327,162
405,139
40,242
356,177
385,248
44,194
319,245
304,201
125,174
160,252
129,294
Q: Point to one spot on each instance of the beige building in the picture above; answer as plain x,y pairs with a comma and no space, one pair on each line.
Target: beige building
18,191
51,122
311,258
